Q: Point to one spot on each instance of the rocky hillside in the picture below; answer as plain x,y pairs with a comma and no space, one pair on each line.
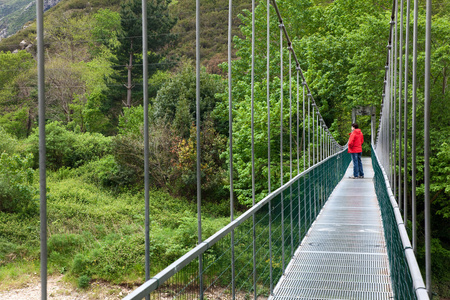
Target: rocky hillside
15,13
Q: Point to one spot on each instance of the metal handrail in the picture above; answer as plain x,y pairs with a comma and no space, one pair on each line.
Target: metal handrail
419,285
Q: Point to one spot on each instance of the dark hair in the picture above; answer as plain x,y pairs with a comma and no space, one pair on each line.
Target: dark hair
354,125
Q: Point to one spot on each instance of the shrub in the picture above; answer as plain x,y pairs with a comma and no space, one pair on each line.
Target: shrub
7,142
132,121
17,194
172,159
64,243
17,122
6,248
114,257
83,281
129,153
213,175
79,264
67,148
107,172
182,87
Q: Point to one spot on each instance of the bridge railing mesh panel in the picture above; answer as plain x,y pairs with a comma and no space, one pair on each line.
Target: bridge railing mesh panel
407,282
276,225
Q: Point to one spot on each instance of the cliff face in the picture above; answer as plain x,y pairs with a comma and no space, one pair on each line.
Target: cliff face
15,13
50,3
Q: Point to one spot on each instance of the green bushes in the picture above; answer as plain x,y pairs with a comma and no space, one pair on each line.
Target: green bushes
64,243
67,148
17,194
113,258
107,173
83,281
172,158
8,143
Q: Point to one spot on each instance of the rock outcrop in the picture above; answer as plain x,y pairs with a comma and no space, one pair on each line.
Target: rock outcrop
26,12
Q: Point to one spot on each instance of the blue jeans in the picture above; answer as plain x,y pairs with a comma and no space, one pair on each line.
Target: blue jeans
357,164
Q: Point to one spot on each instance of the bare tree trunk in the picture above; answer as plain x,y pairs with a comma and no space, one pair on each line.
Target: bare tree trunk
29,122
444,83
129,86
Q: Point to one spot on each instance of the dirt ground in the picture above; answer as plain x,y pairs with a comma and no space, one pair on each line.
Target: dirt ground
58,289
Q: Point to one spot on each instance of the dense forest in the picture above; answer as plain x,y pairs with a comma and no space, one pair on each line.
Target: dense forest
95,122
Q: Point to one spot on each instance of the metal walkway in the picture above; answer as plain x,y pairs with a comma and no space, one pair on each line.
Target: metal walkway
344,254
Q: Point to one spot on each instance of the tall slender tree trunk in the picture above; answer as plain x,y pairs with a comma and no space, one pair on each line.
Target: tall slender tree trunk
129,86
29,122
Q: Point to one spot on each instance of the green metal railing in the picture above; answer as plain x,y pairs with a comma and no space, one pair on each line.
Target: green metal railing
281,220
407,282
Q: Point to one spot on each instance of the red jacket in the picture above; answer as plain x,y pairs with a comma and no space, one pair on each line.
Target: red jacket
355,141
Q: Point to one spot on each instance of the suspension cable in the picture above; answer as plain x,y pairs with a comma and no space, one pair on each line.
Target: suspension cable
281,142
394,124
426,173
413,138
253,146
42,148
405,114
268,146
230,134
146,140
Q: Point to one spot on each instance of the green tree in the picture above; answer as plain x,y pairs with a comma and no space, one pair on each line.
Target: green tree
176,99
17,92
105,30
129,52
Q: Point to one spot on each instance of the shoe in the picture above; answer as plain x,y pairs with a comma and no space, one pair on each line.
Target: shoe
362,177
353,177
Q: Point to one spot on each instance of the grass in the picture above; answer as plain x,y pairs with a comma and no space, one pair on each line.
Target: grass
97,233
18,273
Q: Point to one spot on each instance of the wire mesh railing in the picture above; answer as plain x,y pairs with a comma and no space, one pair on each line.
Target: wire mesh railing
407,282
281,220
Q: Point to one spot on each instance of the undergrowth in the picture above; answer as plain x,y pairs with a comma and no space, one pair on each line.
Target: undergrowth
98,233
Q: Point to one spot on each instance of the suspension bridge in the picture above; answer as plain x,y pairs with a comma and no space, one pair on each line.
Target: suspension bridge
320,235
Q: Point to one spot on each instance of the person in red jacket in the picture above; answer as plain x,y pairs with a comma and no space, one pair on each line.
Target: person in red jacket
355,149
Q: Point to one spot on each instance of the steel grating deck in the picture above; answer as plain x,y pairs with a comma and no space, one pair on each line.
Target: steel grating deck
344,253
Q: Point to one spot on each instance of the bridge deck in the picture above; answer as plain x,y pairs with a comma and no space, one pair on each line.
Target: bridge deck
344,254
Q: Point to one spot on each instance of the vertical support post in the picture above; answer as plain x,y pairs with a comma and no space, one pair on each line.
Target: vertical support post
314,133
42,148
199,186
309,157
146,140
389,117
400,198
309,130
268,144
394,125
405,117
322,135
413,138
372,126
298,156
304,125
268,94
230,134
253,146
426,134
281,145
314,156
290,148
304,155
